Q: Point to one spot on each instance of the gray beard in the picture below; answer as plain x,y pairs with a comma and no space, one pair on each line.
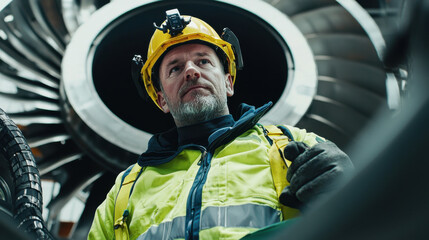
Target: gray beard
202,109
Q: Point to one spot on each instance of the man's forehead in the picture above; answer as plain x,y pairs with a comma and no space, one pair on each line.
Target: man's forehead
194,49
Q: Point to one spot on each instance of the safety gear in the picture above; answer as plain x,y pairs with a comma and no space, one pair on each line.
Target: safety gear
121,212
278,136
177,30
235,188
292,152
313,171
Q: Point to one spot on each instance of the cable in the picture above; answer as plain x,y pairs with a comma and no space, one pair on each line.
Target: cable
28,202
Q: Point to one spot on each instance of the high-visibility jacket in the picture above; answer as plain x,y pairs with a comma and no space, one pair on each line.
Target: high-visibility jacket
223,191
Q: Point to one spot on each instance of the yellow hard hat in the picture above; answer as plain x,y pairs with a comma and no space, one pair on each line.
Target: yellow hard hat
177,30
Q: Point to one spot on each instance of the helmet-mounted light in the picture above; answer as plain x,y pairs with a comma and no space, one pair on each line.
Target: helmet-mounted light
174,23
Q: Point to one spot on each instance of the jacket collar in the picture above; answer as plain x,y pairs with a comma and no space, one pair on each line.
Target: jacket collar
163,147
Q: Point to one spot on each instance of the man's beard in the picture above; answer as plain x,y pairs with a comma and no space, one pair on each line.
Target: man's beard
202,108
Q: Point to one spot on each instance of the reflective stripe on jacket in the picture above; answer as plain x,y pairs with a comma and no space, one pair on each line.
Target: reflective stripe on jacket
220,193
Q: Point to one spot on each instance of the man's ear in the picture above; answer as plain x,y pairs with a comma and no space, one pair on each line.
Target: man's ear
229,86
161,102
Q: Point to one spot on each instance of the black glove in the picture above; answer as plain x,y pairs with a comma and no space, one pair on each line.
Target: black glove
312,172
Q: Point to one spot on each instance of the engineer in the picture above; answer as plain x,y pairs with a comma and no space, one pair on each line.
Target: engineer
212,176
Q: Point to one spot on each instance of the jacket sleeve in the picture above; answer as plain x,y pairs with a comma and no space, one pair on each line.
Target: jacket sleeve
301,135
102,225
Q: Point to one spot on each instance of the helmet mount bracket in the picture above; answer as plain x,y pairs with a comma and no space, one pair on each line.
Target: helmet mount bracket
231,38
136,66
174,23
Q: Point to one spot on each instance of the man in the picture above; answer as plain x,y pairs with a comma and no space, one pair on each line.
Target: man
211,177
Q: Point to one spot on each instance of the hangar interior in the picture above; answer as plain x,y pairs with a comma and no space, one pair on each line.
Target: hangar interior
73,111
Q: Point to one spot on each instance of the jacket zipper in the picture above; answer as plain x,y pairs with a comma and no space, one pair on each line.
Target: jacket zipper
190,224
197,189
203,155
204,161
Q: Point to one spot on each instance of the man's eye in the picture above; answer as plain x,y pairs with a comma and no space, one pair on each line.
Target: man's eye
204,61
174,69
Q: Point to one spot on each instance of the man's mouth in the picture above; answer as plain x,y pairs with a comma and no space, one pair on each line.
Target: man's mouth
194,87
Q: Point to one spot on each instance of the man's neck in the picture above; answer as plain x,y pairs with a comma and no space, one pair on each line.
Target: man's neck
192,121
200,132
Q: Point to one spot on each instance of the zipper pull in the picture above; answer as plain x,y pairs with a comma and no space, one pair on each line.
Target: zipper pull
263,129
203,155
266,134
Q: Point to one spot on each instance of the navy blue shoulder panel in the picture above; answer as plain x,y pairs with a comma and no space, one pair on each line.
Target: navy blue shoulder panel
135,180
126,173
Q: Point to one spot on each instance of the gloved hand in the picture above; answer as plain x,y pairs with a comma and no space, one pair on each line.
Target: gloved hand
312,172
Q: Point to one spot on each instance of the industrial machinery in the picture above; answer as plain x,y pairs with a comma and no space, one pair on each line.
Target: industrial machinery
65,81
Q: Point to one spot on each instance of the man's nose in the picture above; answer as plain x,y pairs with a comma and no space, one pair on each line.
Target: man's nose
191,71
